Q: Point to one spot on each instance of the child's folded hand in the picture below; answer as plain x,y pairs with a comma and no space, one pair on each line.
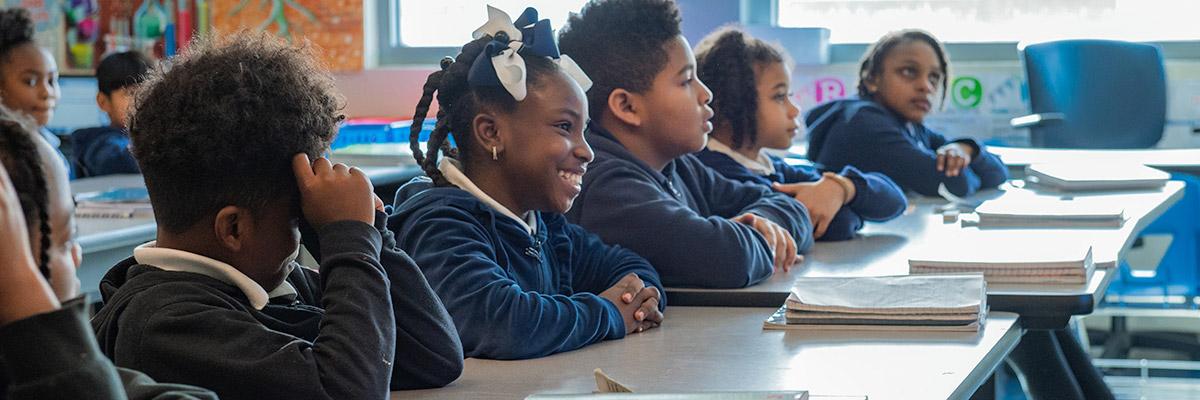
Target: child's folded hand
823,199
333,192
638,304
953,158
779,241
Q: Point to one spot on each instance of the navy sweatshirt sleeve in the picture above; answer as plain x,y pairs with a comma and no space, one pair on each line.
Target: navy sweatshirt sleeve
688,247
229,350
598,266
66,362
871,140
428,351
495,317
991,170
103,151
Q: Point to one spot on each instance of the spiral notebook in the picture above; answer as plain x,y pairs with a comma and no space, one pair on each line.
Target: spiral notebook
1051,264
956,303
1096,176
1049,212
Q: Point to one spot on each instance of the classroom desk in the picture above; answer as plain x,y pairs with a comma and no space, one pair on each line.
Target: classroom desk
106,241
726,349
883,249
1173,160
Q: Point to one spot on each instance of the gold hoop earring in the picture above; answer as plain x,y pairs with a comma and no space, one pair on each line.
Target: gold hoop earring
494,156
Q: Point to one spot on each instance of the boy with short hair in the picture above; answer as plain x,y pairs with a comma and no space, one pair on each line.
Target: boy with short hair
645,191
105,150
224,139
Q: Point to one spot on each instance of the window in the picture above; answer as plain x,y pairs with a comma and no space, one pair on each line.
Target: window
865,21
422,31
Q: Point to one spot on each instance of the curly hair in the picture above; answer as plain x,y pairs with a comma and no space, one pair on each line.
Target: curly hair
119,70
29,171
726,61
458,104
620,44
220,124
871,66
16,29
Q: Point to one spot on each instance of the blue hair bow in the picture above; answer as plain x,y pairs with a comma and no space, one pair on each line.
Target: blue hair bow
504,64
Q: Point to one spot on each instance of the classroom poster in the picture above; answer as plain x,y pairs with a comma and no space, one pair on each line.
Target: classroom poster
335,26
48,25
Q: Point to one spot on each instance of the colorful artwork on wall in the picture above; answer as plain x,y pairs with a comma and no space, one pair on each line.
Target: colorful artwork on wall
336,26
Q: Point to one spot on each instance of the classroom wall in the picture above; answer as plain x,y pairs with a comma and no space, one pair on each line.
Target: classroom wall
986,95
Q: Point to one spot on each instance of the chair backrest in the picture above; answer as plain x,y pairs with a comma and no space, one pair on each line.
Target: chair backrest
1112,94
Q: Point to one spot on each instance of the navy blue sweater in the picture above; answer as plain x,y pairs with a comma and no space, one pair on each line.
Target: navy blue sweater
54,355
678,218
102,151
872,138
876,197
513,295
336,340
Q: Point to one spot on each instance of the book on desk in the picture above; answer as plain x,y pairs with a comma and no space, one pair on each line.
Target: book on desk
902,303
1043,264
1107,176
1048,212
132,202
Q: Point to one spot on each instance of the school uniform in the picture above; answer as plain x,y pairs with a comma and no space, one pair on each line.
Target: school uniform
55,142
102,151
54,355
517,286
872,138
678,218
183,317
876,197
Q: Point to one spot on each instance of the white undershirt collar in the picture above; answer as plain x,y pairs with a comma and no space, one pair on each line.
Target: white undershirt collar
450,169
761,166
183,261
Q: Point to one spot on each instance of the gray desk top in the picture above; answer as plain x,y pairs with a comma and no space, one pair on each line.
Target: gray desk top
717,348
884,248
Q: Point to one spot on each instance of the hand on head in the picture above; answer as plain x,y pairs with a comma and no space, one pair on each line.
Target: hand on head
780,242
637,302
333,192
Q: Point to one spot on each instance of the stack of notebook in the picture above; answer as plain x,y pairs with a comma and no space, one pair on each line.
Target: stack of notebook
1048,264
114,203
1048,212
909,303
1096,176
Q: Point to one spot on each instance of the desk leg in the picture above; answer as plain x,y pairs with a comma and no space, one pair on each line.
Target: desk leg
987,391
1055,366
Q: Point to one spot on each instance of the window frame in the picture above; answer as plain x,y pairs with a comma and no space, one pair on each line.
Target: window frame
386,32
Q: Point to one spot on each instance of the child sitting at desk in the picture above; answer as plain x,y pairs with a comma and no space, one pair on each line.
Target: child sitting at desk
28,75
645,191
488,231
882,130
49,351
751,82
224,139
105,150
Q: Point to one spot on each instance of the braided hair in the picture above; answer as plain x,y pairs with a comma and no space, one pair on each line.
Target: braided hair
726,60
871,66
16,29
458,104
25,166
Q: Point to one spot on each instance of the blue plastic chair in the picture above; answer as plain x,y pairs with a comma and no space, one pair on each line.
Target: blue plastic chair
1094,94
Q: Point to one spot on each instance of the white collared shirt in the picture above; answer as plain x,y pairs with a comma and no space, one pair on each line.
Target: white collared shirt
183,261
450,169
761,166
